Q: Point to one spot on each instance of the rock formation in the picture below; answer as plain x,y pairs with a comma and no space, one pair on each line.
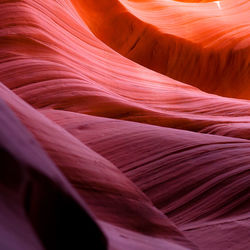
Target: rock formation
125,124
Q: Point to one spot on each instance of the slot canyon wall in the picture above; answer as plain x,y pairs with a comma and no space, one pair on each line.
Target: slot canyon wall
125,124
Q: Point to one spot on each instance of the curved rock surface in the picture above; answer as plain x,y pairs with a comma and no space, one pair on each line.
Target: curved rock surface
203,44
154,161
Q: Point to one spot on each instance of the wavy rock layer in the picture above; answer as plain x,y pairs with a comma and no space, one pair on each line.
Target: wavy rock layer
203,44
32,195
158,163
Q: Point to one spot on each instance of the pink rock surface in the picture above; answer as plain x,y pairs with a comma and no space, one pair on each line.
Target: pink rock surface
122,156
39,208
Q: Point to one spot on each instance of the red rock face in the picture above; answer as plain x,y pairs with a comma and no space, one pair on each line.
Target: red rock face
203,44
140,142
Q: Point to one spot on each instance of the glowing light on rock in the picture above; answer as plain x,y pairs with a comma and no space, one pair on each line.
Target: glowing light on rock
218,4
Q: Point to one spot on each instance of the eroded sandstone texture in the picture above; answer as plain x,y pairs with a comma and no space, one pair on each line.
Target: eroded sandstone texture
125,124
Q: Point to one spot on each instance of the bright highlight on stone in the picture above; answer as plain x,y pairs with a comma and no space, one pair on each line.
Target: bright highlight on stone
218,4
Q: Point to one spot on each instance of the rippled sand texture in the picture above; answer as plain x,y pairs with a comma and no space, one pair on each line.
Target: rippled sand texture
151,127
